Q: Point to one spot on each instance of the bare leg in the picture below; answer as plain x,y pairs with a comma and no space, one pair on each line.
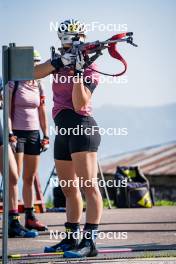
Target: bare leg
31,163
85,164
19,160
66,172
13,179
13,182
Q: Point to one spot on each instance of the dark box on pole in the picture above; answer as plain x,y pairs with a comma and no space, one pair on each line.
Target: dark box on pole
21,63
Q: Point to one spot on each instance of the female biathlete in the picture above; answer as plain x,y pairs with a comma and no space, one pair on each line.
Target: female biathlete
27,116
15,228
75,154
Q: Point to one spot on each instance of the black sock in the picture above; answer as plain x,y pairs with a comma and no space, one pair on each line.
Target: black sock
13,214
72,226
72,230
29,213
89,226
13,217
90,231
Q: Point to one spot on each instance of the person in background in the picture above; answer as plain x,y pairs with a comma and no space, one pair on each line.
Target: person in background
1,97
16,229
27,117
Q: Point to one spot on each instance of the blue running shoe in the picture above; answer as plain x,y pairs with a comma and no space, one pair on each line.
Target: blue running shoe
17,230
65,244
86,248
70,242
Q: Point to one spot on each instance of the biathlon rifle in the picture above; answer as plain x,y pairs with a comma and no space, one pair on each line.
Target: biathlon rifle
95,49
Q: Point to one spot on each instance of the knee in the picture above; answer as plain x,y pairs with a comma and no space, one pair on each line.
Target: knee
91,191
13,179
29,180
71,192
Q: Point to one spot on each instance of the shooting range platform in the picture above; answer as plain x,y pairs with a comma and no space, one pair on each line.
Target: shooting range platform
151,238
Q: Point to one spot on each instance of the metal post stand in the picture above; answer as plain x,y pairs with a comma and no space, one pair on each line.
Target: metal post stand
5,68
17,64
105,188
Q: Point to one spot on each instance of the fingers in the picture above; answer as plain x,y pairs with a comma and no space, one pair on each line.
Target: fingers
77,59
13,146
80,61
79,55
13,142
68,59
44,144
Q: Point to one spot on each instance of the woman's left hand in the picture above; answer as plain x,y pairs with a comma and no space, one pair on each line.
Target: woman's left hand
80,61
44,144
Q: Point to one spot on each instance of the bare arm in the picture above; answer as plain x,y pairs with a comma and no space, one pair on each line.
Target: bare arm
43,119
10,110
1,100
42,70
80,95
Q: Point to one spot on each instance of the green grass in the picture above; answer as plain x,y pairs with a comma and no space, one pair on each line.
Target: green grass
106,204
49,203
165,203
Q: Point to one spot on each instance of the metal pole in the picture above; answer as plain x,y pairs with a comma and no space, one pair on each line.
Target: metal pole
48,182
5,68
105,188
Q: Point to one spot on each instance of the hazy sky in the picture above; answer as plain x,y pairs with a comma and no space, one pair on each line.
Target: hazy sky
151,75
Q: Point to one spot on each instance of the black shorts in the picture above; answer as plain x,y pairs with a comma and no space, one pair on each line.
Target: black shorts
1,135
74,134
28,142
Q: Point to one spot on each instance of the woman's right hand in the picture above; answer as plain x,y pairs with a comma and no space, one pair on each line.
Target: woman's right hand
1,100
13,141
44,144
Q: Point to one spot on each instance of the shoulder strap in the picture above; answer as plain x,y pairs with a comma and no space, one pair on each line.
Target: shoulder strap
13,97
39,86
113,51
15,89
